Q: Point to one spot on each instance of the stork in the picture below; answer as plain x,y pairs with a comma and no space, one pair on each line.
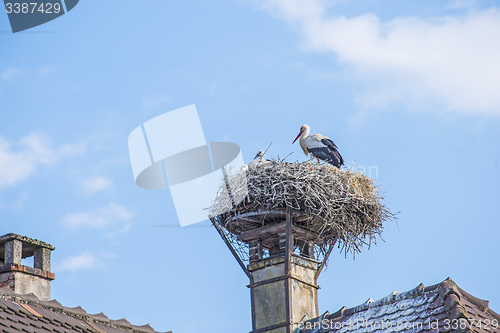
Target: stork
319,146
258,160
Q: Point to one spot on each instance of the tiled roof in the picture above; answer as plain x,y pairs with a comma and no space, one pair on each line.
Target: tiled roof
26,313
443,307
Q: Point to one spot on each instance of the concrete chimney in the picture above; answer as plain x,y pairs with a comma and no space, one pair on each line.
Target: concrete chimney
25,279
283,269
283,286
282,293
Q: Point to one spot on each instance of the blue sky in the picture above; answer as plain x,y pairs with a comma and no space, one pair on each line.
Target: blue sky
411,88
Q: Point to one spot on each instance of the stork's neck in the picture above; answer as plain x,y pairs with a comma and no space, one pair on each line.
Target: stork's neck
302,140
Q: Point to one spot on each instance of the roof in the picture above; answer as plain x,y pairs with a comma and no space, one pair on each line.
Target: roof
27,313
443,307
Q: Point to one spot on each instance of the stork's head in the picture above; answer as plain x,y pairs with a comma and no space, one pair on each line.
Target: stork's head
303,128
259,154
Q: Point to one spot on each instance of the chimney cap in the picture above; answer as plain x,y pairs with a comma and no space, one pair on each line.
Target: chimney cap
29,244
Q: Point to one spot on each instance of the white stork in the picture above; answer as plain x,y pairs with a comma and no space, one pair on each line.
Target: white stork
319,146
258,160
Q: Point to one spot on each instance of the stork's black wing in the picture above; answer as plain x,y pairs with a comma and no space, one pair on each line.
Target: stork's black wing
329,153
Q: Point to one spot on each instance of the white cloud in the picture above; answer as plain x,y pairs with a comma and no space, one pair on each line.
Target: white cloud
74,263
15,204
69,149
20,160
457,4
448,61
10,73
45,70
93,185
112,215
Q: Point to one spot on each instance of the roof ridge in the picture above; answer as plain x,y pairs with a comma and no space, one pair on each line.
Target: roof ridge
391,298
6,290
74,312
418,290
424,305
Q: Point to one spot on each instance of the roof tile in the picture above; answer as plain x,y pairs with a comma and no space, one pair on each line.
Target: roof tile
18,313
144,329
437,308
31,297
121,322
76,311
100,317
54,304
35,324
6,290
30,310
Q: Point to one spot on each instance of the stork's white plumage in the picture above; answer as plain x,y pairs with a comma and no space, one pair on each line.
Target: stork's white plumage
258,160
319,146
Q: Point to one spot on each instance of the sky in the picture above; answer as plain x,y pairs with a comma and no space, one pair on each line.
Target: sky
409,90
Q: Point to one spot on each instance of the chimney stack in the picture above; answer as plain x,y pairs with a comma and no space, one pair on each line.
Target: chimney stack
25,279
284,263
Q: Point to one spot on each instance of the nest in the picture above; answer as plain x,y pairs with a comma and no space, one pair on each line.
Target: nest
334,205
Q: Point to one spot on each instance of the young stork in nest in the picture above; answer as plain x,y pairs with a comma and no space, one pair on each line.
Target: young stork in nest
258,160
319,146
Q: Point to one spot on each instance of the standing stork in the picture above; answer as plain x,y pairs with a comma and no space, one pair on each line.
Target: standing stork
319,146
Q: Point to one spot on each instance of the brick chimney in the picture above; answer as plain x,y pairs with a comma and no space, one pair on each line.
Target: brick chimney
25,279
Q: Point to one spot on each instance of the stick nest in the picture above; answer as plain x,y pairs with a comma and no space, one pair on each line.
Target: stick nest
329,203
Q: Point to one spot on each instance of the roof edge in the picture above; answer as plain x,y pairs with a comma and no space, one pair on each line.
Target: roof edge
444,288
76,312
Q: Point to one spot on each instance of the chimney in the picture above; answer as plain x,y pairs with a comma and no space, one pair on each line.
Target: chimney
25,279
283,268
283,292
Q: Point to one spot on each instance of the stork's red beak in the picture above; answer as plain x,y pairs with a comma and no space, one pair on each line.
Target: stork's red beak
298,136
